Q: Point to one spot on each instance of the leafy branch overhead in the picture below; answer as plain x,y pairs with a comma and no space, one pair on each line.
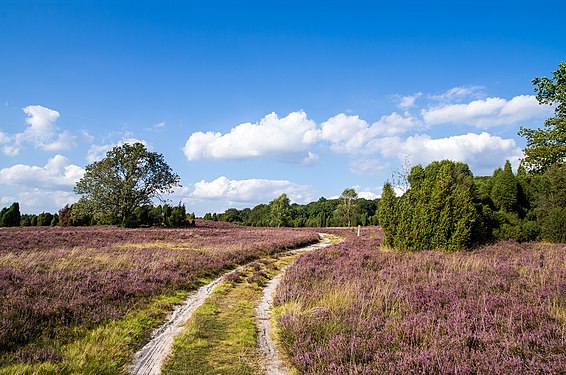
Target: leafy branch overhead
547,146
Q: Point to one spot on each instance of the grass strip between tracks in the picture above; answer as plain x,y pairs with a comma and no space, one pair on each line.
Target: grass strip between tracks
221,336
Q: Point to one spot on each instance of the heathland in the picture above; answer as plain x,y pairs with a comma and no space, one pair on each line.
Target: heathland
360,308
83,300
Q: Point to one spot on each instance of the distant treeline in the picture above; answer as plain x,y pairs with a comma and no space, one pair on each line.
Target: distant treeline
444,206
76,215
322,213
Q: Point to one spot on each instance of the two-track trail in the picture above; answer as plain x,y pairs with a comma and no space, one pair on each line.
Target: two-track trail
272,362
149,359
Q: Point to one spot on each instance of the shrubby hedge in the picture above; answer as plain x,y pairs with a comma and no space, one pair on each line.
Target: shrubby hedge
439,211
447,208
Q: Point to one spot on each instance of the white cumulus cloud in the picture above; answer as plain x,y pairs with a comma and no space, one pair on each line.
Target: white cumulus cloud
67,140
42,123
351,134
408,102
271,136
487,113
482,152
250,191
42,132
57,173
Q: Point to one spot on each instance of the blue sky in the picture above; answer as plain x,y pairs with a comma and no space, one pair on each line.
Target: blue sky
250,99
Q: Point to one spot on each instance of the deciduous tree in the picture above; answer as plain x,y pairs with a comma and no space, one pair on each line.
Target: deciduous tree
347,210
128,177
280,210
547,146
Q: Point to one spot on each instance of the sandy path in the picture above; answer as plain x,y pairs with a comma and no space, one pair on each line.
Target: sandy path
272,361
149,359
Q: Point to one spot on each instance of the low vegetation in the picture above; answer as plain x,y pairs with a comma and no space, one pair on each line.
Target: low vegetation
61,286
358,308
221,336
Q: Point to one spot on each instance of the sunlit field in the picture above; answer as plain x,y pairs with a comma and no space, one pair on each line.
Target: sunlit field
71,298
355,308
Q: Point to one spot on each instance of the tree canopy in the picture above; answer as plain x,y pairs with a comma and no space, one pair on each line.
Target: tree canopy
280,209
347,210
437,211
547,146
127,178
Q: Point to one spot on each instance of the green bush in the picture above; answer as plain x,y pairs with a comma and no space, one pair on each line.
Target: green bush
439,211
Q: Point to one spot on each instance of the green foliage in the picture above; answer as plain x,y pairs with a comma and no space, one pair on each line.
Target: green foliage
280,211
232,215
10,217
511,227
388,214
65,216
84,213
128,177
551,204
347,210
439,211
322,213
178,217
505,191
44,219
547,146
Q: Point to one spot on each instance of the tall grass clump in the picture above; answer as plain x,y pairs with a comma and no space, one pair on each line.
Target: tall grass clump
357,308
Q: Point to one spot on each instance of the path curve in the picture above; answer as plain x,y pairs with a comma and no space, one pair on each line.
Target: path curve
149,359
272,362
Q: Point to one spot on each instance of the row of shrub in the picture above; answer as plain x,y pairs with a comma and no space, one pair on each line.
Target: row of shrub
73,215
446,207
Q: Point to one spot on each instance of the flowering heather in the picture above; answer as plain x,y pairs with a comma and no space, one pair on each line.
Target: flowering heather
355,309
55,280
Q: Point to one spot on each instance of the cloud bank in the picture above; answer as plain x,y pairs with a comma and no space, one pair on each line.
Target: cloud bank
395,136
43,133
250,191
271,136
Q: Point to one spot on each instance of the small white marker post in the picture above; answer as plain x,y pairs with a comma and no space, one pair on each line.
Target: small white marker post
359,230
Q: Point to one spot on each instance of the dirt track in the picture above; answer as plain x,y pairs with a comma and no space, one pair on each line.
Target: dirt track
273,364
149,359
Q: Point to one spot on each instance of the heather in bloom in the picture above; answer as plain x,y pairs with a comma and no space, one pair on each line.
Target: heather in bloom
55,282
355,309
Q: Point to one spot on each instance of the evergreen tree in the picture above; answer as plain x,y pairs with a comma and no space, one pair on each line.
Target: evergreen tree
551,204
438,210
10,217
44,219
177,218
388,214
505,191
65,216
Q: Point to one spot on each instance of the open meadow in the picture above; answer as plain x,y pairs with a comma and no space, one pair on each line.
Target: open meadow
357,308
83,300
